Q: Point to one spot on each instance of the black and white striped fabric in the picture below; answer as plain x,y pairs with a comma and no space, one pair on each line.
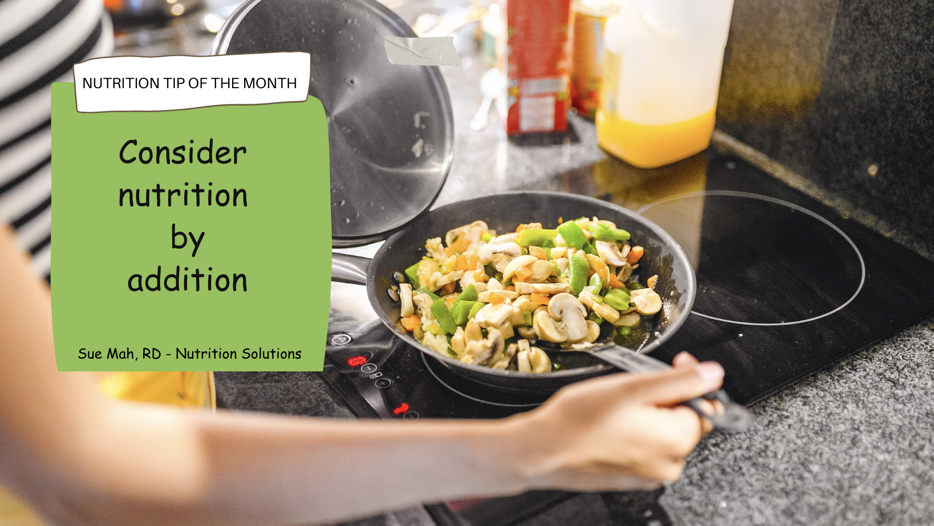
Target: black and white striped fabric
40,40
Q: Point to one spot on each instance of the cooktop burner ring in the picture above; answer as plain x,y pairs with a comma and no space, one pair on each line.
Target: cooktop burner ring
792,206
431,370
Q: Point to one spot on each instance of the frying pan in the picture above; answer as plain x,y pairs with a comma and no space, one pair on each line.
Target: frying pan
503,212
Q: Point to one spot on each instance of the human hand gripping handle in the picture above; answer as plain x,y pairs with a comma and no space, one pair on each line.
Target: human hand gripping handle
623,431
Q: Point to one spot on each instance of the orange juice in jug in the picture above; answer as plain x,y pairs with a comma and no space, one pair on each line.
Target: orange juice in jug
660,79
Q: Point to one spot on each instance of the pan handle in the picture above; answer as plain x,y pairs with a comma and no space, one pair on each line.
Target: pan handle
349,269
735,418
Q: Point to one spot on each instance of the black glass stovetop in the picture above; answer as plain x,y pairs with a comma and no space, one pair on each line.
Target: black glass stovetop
786,286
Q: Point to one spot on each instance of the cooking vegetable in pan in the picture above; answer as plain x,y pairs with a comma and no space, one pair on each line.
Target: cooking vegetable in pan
486,299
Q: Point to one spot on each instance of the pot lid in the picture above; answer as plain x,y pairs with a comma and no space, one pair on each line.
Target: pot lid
390,128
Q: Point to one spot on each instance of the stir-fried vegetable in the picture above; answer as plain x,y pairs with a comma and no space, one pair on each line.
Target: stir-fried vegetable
485,299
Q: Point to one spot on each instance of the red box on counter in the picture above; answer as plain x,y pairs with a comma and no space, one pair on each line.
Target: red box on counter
534,54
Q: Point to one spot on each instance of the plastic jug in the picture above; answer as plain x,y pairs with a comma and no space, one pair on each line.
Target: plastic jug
661,75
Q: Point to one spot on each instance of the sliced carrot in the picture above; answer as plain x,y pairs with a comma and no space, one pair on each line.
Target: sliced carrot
529,226
598,266
615,283
472,262
449,299
448,289
496,299
460,244
449,251
539,299
522,274
461,263
538,252
411,322
634,255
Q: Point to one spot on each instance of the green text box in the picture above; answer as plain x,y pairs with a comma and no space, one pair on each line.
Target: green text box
267,227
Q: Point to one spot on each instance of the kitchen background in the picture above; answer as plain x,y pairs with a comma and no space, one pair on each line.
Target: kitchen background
830,96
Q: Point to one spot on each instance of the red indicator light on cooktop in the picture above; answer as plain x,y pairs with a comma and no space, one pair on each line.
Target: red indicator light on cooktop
356,361
401,409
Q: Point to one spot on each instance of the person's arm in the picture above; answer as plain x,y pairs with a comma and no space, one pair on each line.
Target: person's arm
80,458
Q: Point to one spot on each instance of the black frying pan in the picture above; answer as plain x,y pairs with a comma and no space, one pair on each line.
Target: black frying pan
503,212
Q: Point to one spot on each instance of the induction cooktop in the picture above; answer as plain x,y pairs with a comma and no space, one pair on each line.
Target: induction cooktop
786,286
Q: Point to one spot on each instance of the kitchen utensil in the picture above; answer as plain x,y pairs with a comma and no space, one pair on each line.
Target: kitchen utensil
490,85
390,128
503,212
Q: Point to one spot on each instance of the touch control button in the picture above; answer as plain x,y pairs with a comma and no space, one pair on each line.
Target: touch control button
383,383
411,415
368,368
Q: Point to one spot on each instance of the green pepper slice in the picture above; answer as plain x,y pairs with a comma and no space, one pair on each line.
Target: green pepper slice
537,238
475,308
572,235
618,299
469,294
605,233
461,311
594,317
579,270
443,316
412,274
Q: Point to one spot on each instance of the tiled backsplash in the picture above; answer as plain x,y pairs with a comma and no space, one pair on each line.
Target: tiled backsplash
841,92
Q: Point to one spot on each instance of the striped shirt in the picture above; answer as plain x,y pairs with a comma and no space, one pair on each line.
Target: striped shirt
40,40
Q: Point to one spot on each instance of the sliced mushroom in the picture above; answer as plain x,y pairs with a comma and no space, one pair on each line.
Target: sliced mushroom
472,331
542,288
486,252
630,320
527,333
541,270
473,231
606,311
493,315
405,297
569,310
477,352
546,328
647,301
625,272
522,362
438,280
423,303
593,332
506,329
497,341
458,341
516,264
505,238
610,253
501,362
539,361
